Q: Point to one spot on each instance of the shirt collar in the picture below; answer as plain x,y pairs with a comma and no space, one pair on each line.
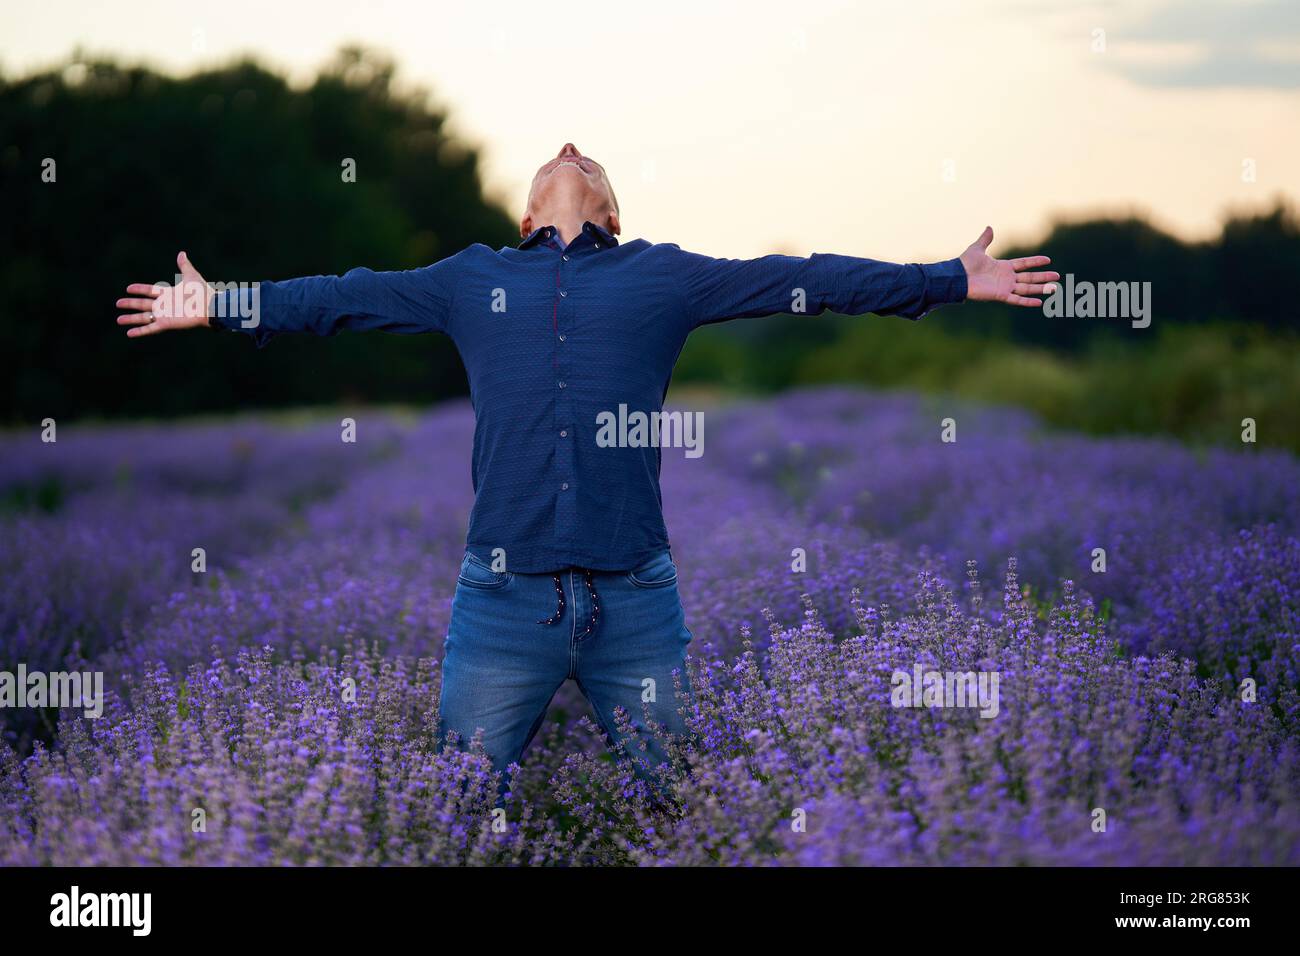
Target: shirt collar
599,237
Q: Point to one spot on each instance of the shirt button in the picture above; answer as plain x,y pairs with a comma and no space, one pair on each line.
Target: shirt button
563,293
598,245
561,384
565,258
564,433
564,487
563,337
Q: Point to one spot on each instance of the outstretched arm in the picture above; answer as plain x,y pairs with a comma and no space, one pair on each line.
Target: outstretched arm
417,300
716,290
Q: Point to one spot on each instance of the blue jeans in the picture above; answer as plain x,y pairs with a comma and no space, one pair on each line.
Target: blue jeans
502,664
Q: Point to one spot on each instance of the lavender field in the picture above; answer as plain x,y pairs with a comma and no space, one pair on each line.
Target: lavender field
332,565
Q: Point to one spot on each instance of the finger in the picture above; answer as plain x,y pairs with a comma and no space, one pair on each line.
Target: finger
186,267
1030,288
1038,277
986,238
152,328
136,303
1012,299
136,318
140,288
1030,262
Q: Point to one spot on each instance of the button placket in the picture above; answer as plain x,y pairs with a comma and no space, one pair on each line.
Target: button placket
566,516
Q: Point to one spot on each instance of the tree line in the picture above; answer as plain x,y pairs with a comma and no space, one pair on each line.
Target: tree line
108,170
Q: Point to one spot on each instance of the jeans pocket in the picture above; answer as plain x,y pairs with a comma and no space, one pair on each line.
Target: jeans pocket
475,574
658,572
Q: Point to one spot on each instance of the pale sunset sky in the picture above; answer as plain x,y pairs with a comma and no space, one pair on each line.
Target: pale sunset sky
893,130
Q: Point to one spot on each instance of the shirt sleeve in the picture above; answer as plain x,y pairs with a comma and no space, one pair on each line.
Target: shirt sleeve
406,302
720,289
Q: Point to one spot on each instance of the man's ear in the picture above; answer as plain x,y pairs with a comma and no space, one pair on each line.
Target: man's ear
526,225
614,228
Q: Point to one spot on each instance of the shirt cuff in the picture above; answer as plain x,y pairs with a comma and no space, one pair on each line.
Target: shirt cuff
219,305
945,283
231,308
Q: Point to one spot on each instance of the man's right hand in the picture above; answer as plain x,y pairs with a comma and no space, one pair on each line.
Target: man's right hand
160,308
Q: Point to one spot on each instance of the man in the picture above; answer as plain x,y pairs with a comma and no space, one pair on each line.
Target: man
567,572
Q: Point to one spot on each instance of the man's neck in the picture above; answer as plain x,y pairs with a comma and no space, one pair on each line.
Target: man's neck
568,224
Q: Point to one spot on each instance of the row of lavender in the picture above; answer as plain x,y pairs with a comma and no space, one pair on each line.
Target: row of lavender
100,526
231,696
1200,546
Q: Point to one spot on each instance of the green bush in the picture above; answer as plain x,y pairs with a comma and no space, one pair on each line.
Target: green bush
1195,382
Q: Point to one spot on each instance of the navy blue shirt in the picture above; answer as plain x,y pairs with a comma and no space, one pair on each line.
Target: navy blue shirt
552,336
